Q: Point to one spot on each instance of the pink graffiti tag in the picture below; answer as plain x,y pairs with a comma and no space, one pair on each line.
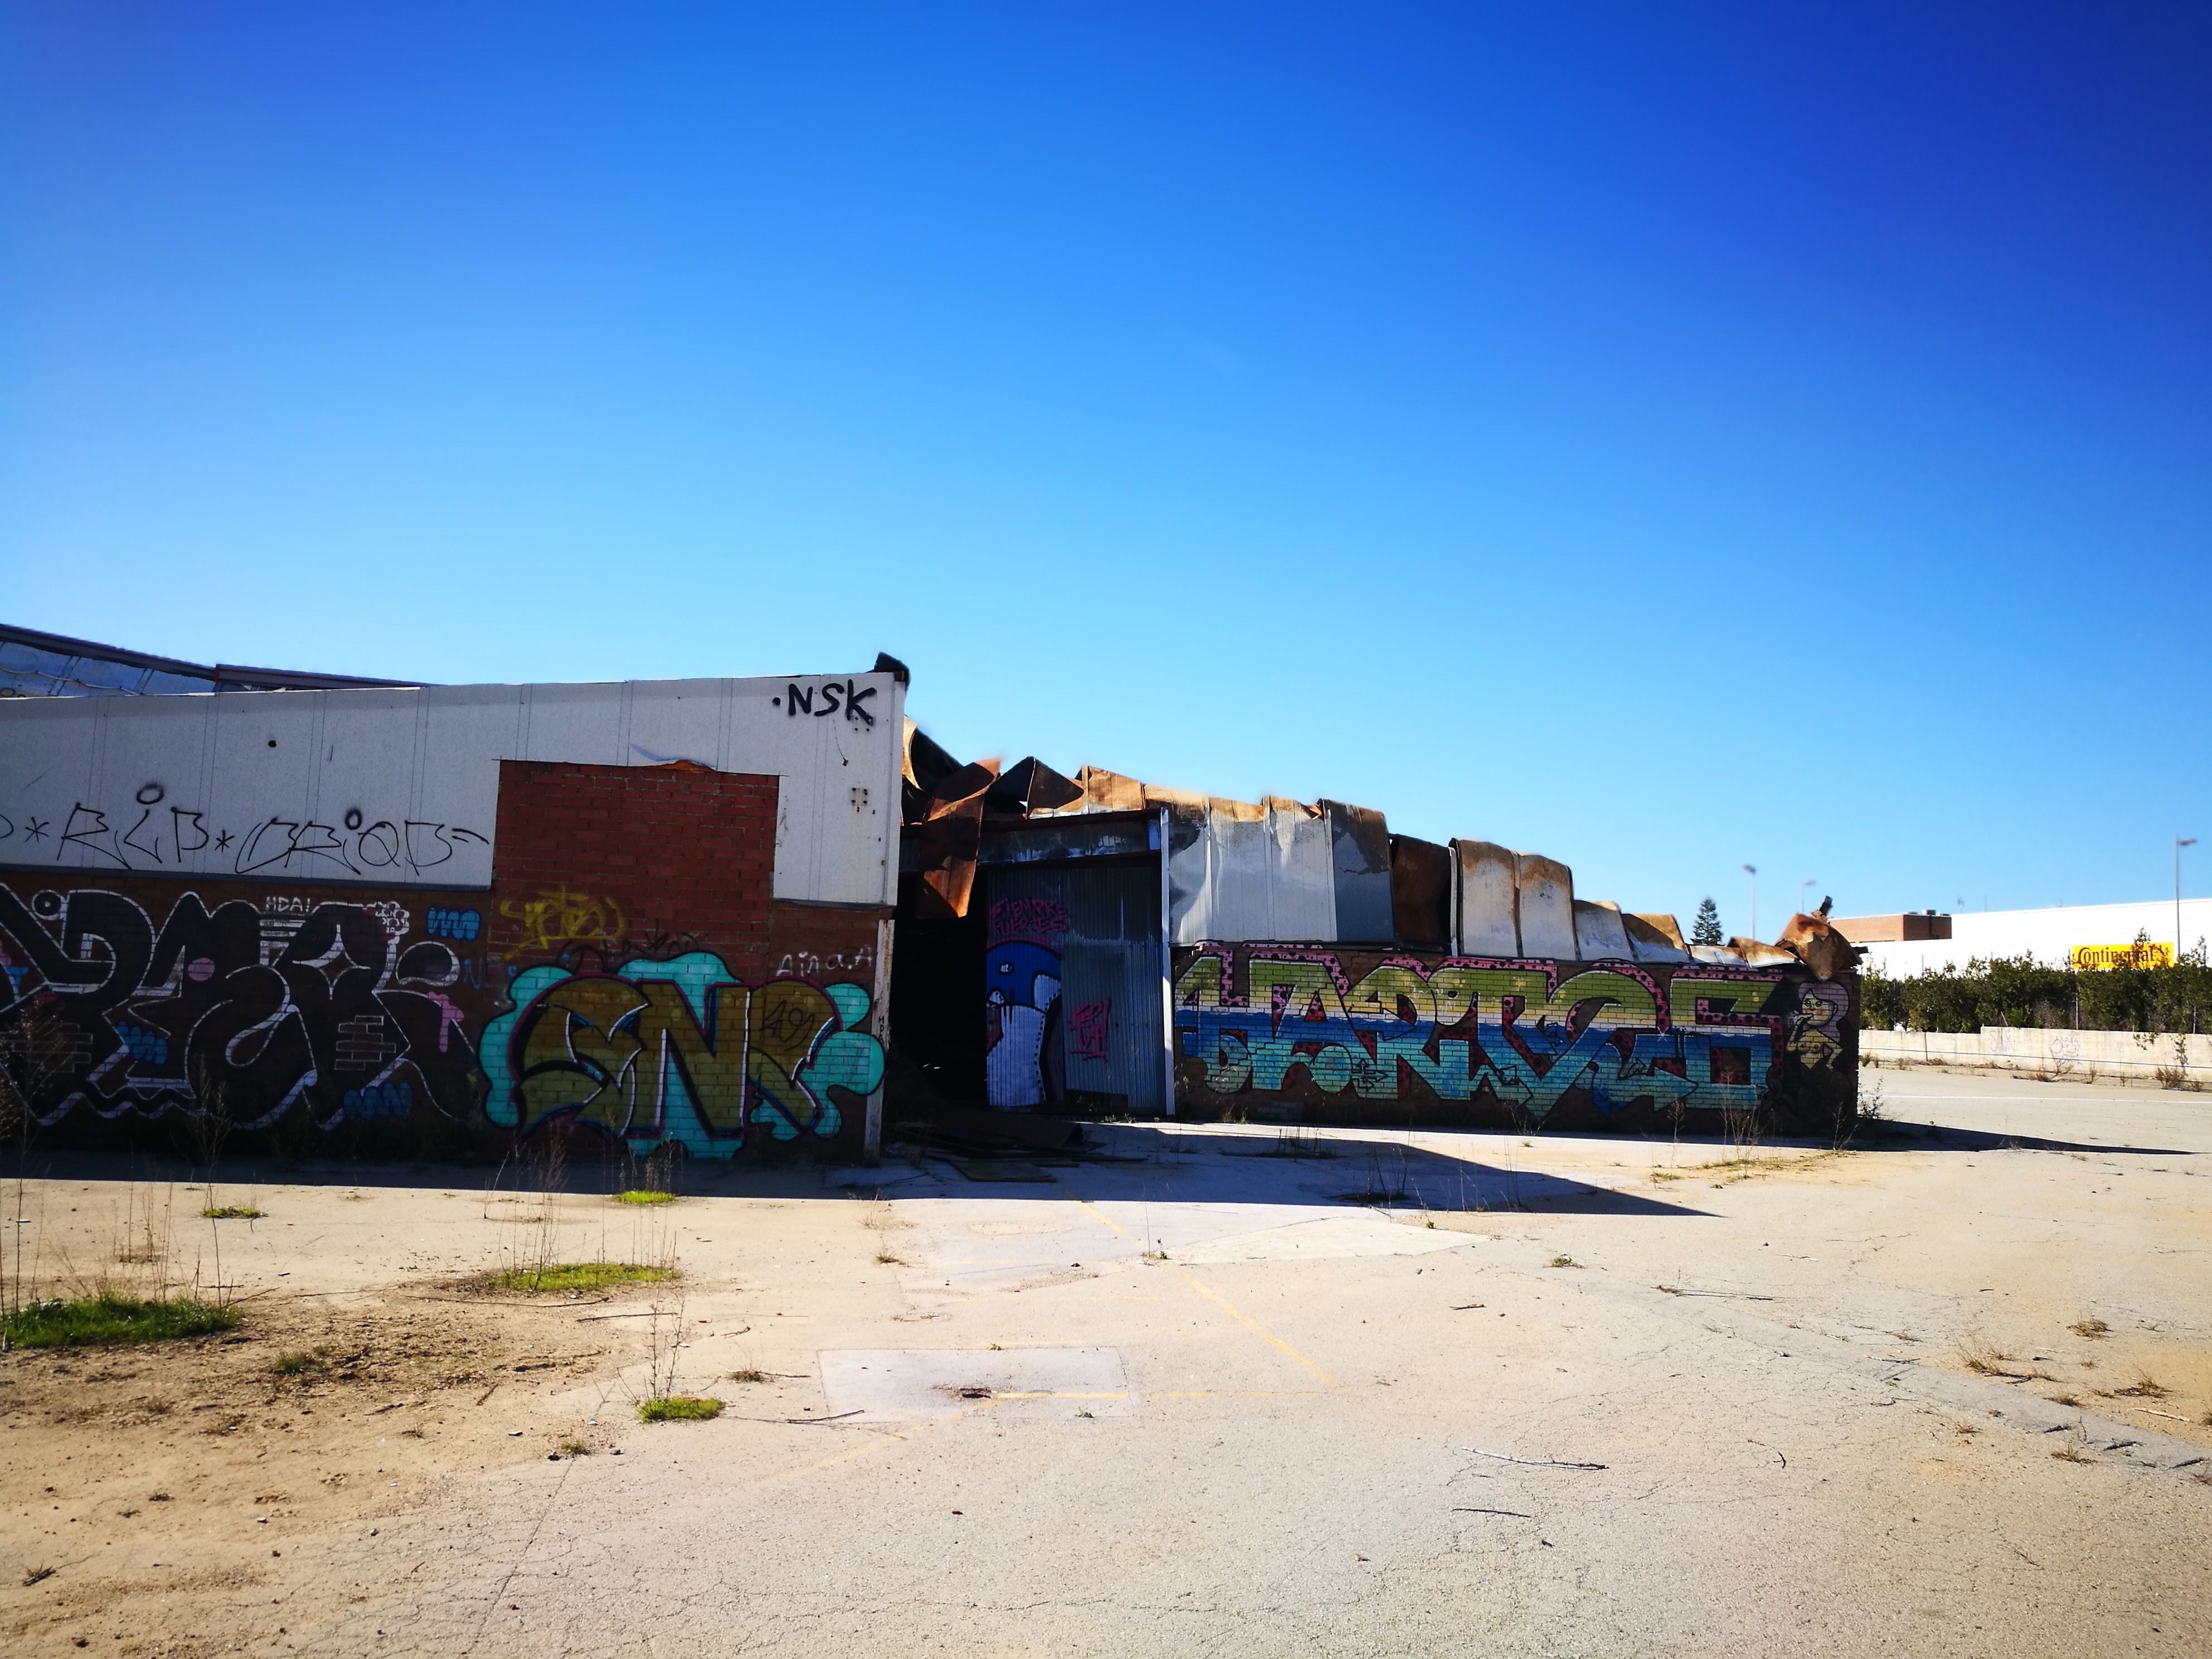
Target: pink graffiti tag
1042,921
1086,1030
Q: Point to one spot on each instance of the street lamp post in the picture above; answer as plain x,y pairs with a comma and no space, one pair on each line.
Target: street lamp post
2179,841
1752,870
1805,887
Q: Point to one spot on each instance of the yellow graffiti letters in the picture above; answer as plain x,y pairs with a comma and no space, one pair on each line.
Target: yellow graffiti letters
576,1057
557,917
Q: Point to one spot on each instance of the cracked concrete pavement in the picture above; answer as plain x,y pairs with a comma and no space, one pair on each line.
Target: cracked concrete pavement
1941,1395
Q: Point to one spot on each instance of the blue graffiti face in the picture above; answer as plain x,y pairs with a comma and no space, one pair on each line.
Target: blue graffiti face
1020,974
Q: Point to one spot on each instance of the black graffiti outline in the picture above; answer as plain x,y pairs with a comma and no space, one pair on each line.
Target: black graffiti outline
331,847
73,835
387,844
177,817
36,829
105,993
124,840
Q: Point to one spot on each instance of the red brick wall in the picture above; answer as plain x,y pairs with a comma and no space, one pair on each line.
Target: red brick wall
625,855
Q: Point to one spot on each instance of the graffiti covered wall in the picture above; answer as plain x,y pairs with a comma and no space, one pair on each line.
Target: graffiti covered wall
638,983
1381,1036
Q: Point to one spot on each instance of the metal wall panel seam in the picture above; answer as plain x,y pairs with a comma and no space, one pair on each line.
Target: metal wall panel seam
879,1027
1167,976
205,793
318,743
96,773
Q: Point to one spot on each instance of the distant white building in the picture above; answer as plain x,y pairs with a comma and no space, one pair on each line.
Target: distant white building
2051,935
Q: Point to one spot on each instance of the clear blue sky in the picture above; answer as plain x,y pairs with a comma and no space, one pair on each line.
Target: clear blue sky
1664,437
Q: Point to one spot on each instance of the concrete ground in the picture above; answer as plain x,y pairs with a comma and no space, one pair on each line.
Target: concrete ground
1945,1394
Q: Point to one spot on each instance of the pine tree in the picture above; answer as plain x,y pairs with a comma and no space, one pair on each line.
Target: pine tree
1706,930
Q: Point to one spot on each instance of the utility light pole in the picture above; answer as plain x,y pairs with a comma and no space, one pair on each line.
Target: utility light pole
1752,870
1805,887
2179,841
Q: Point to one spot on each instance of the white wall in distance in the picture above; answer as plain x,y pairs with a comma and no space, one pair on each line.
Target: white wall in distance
2047,934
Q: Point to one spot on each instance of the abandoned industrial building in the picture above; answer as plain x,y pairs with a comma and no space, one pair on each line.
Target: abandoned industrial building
769,915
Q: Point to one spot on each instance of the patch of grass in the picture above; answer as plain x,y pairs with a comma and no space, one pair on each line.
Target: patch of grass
102,1320
37,1576
1665,1175
299,1365
2145,1387
645,1195
575,1276
232,1212
1565,1262
2092,1328
1990,1362
2066,1399
678,1408
572,1448
750,1374
2075,1450
889,1260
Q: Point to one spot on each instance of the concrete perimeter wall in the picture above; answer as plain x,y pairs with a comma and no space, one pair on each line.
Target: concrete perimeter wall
2149,1059
1341,1034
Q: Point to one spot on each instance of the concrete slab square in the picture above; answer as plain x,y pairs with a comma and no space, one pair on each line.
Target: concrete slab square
894,1385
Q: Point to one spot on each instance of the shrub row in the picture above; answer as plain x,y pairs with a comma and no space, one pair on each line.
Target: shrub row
2020,991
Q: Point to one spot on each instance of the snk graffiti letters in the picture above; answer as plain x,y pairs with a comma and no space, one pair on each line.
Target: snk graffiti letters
680,1050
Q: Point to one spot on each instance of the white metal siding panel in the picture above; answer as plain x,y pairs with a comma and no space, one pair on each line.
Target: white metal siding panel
1487,902
1547,907
1304,876
402,785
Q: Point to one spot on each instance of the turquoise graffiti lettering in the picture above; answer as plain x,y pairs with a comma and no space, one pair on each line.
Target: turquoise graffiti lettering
1525,1034
680,1051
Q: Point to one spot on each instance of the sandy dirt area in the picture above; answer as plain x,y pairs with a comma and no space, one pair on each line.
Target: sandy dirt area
1232,1391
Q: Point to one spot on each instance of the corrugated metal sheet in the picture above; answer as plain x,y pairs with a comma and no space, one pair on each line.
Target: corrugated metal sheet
1656,937
1487,902
1359,842
402,785
1545,892
1071,968
1421,882
1599,935
1254,873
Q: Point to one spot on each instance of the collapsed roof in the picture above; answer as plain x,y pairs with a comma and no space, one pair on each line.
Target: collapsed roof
1326,872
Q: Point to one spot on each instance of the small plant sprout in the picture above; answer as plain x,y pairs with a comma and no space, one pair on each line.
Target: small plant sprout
1565,1262
231,1213
645,1195
2092,1328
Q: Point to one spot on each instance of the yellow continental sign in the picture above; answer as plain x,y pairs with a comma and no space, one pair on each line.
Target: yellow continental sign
2121,956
